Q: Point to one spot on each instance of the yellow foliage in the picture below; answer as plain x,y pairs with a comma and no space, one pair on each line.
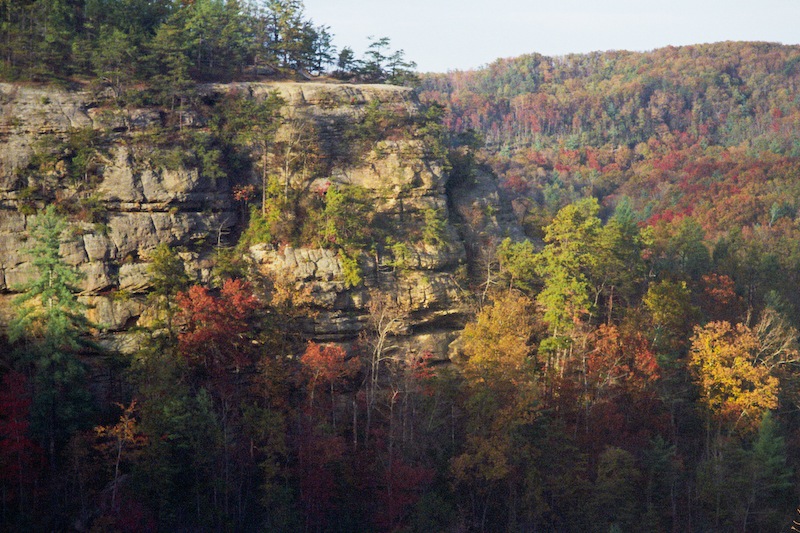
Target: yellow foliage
497,342
486,459
502,388
733,387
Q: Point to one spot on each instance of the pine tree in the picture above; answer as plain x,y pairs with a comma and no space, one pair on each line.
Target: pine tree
51,328
770,497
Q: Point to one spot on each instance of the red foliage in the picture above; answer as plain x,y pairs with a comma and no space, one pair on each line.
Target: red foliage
721,300
318,460
244,193
621,361
669,216
628,422
21,459
592,159
624,409
515,183
328,363
421,367
405,483
214,337
669,162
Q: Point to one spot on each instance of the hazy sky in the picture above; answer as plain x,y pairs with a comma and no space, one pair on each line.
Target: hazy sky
443,35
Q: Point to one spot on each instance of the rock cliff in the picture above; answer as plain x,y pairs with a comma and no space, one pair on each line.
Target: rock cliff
126,196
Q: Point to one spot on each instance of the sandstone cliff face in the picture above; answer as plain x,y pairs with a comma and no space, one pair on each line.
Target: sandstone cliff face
145,202
141,207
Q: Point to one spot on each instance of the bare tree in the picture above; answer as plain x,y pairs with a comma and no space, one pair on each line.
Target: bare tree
384,322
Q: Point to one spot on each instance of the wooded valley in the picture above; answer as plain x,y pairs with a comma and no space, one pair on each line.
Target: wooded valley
550,294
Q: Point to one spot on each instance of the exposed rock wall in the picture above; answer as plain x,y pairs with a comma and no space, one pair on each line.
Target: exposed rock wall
144,203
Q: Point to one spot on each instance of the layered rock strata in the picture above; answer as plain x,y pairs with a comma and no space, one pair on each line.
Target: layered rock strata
145,202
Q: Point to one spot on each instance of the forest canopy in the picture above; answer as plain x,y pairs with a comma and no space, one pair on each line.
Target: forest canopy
627,355
178,41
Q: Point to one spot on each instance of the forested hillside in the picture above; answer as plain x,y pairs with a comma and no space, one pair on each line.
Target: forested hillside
669,129
553,294
663,187
172,43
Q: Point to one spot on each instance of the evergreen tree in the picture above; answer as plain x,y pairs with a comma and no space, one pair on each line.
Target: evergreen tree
564,265
168,277
346,62
169,62
322,52
51,327
770,498
373,66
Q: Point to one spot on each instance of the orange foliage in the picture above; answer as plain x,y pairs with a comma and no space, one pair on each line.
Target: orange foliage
721,300
624,361
328,363
214,337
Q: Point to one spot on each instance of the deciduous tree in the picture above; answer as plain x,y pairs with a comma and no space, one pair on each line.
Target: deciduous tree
734,388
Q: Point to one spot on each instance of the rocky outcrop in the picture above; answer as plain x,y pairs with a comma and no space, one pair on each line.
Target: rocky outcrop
404,184
144,201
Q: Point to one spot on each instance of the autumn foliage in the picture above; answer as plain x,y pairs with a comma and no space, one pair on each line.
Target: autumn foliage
216,326
625,358
734,387
21,459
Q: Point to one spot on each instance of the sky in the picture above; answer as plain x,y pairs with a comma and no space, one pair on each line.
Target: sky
444,35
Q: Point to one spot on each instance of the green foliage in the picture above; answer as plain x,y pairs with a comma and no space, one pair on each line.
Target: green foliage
26,199
669,304
91,209
564,264
168,277
169,64
216,38
638,96
436,139
435,231
723,481
620,270
50,321
186,150
114,60
663,186
165,41
771,477
285,39
518,263
48,307
260,227
401,256
615,502
351,270
379,122
229,263
268,427
682,250
433,512
380,65
660,468
75,159
167,272
184,435
83,148
347,216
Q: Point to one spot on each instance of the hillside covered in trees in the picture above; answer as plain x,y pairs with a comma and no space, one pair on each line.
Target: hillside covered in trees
172,43
663,187
553,294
